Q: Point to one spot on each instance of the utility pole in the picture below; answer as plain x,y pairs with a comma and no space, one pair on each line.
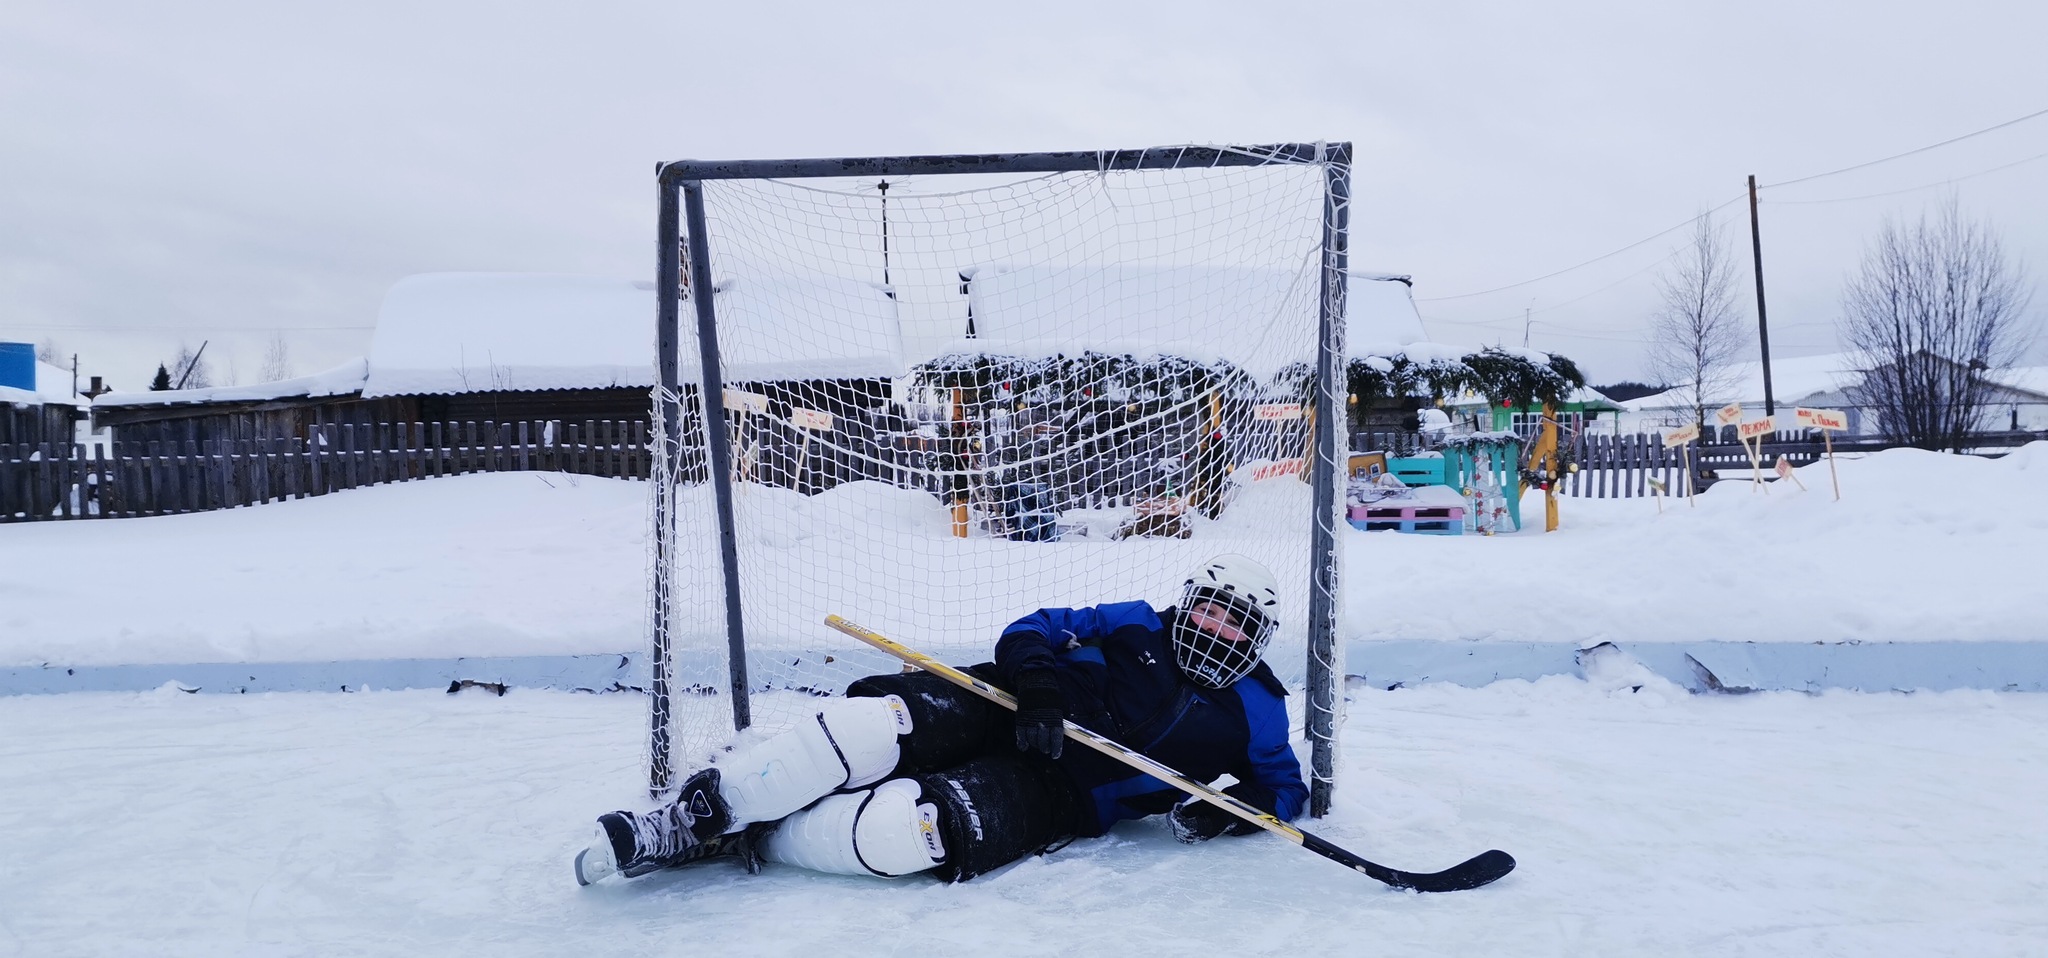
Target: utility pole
194,364
1525,327
1763,329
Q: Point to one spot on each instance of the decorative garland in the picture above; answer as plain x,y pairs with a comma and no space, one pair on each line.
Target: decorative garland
1567,462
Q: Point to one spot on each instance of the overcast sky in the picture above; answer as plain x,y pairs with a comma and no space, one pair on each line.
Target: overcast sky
173,173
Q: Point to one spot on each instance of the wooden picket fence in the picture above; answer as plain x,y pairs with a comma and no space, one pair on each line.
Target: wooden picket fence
1619,467
63,481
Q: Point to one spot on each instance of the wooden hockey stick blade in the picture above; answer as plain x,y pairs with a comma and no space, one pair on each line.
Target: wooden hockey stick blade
1479,870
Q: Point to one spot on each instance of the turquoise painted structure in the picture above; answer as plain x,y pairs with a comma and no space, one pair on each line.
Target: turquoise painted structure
1459,468
1503,465
1417,470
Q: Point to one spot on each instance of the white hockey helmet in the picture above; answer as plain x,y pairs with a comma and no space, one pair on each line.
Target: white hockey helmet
1250,595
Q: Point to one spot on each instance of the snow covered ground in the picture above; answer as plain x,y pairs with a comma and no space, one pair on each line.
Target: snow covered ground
1647,823
1921,547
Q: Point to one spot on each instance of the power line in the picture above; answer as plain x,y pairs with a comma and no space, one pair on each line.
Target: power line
1557,306
1895,156
1912,189
202,327
1688,221
1803,179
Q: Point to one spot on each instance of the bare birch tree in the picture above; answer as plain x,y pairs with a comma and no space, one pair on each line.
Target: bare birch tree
277,361
190,368
1697,332
1936,308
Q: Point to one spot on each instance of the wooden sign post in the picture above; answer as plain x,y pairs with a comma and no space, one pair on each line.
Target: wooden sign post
1784,470
744,454
1728,415
1682,437
1827,421
808,420
1657,490
1755,431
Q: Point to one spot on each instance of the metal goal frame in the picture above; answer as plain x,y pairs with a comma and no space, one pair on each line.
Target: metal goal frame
681,218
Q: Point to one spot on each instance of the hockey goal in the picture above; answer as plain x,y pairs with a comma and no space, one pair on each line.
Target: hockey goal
947,390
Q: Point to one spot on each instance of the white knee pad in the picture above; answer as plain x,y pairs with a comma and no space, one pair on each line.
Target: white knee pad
882,831
847,744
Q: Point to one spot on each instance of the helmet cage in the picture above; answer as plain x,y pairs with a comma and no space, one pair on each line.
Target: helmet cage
1210,659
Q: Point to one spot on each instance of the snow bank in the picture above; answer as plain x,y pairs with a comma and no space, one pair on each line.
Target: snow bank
1922,547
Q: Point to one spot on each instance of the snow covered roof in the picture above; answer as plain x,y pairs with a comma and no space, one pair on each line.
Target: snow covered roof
1589,398
343,380
1200,312
2033,379
1379,309
1798,377
441,333
1792,379
53,386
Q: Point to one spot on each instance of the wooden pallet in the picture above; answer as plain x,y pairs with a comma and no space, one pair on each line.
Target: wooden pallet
1421,519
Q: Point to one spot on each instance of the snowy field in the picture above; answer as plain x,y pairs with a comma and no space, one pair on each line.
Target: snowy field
1922,547
1647,823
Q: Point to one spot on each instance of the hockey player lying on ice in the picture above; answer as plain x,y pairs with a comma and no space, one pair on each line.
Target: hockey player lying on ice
909,773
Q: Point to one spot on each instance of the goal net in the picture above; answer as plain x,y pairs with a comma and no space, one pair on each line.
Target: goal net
948,391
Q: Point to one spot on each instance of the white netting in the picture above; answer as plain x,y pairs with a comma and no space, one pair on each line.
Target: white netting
1053,390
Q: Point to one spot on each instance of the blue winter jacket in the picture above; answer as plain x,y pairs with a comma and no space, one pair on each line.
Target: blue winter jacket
1116,668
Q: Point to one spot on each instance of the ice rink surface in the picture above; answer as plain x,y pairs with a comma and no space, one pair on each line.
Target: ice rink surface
1647,822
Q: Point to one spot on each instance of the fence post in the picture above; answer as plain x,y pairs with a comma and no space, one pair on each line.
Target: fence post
314,470
639,458
191,481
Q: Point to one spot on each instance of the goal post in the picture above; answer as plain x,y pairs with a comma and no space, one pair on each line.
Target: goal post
938,392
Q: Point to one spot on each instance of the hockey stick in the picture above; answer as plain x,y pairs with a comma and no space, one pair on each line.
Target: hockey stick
1479,870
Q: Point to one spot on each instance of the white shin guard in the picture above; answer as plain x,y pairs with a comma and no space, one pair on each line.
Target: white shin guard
847,744
881,831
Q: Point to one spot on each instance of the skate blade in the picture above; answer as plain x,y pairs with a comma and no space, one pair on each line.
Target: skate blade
592,868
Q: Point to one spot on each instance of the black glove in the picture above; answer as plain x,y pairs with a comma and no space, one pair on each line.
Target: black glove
1041,713
1198,821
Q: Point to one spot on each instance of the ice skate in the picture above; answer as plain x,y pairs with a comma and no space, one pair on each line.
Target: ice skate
635,843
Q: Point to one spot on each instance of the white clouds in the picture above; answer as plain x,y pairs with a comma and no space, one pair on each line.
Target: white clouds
214,164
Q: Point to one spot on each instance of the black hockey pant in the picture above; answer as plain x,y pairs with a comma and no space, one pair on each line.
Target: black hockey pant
996,805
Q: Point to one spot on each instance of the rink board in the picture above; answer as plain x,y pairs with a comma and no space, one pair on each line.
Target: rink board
1698,666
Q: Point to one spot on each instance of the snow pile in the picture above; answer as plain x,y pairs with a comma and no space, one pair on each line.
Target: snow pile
503,564
1922,547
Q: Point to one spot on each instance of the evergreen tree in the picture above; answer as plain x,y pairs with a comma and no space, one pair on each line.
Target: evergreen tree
162,380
